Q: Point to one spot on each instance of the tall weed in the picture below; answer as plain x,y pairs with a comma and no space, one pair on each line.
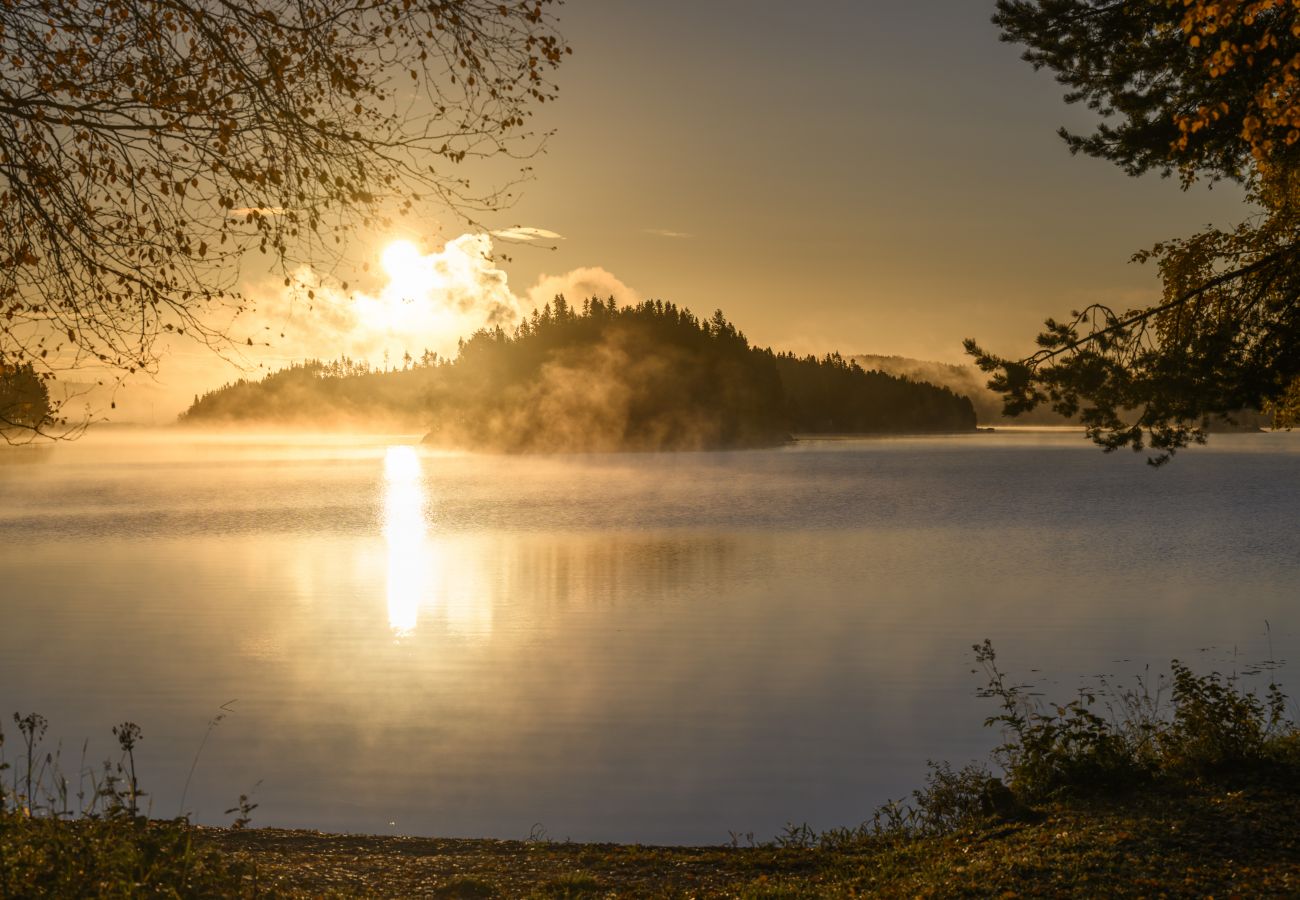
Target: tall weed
103,845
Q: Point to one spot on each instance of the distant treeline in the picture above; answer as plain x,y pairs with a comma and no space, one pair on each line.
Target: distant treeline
24,398
605,377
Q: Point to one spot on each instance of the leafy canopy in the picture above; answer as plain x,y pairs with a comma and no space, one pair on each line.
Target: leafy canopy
1205,90
146,146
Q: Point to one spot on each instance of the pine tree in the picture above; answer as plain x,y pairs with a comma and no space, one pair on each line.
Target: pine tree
1207,90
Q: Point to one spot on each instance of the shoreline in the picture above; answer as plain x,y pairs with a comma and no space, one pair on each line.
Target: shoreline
1233,837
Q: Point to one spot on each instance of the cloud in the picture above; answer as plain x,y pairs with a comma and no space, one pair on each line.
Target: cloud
524,233
668,233
428,302
581,284
462,277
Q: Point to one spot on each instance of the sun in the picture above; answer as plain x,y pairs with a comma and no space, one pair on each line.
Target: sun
429,300
410,273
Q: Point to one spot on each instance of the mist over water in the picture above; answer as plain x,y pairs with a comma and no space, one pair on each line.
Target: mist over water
639,647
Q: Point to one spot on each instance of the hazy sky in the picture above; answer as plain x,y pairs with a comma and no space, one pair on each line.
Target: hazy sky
869,177
877,176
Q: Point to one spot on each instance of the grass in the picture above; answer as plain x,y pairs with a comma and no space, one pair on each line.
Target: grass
105,857
1185,785
95,842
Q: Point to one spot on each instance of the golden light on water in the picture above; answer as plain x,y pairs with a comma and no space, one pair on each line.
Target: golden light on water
404,533
425,573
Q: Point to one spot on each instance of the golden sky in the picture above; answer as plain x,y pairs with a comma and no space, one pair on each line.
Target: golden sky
869,177
872,177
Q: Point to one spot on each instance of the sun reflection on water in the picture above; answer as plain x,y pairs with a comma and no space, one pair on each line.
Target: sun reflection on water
404,532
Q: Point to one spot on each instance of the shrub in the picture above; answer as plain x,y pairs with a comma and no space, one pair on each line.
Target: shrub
948,801
1051,748
1216,727
1209,726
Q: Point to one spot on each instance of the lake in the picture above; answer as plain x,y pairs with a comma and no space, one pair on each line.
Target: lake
630,647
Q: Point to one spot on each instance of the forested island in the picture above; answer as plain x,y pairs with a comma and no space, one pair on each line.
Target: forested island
603,377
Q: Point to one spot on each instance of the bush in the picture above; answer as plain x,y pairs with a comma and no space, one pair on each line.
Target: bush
949,801
1216,727
1209,726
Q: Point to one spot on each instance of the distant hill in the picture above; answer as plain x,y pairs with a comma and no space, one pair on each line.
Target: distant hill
645,377
971,382
966,380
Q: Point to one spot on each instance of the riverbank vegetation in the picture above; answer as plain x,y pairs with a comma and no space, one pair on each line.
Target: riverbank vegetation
603,377
88,836
1185,785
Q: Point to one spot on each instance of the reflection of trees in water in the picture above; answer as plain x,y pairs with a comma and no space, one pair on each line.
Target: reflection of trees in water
618,569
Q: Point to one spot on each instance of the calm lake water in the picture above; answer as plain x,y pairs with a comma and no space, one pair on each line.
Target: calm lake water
655,648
